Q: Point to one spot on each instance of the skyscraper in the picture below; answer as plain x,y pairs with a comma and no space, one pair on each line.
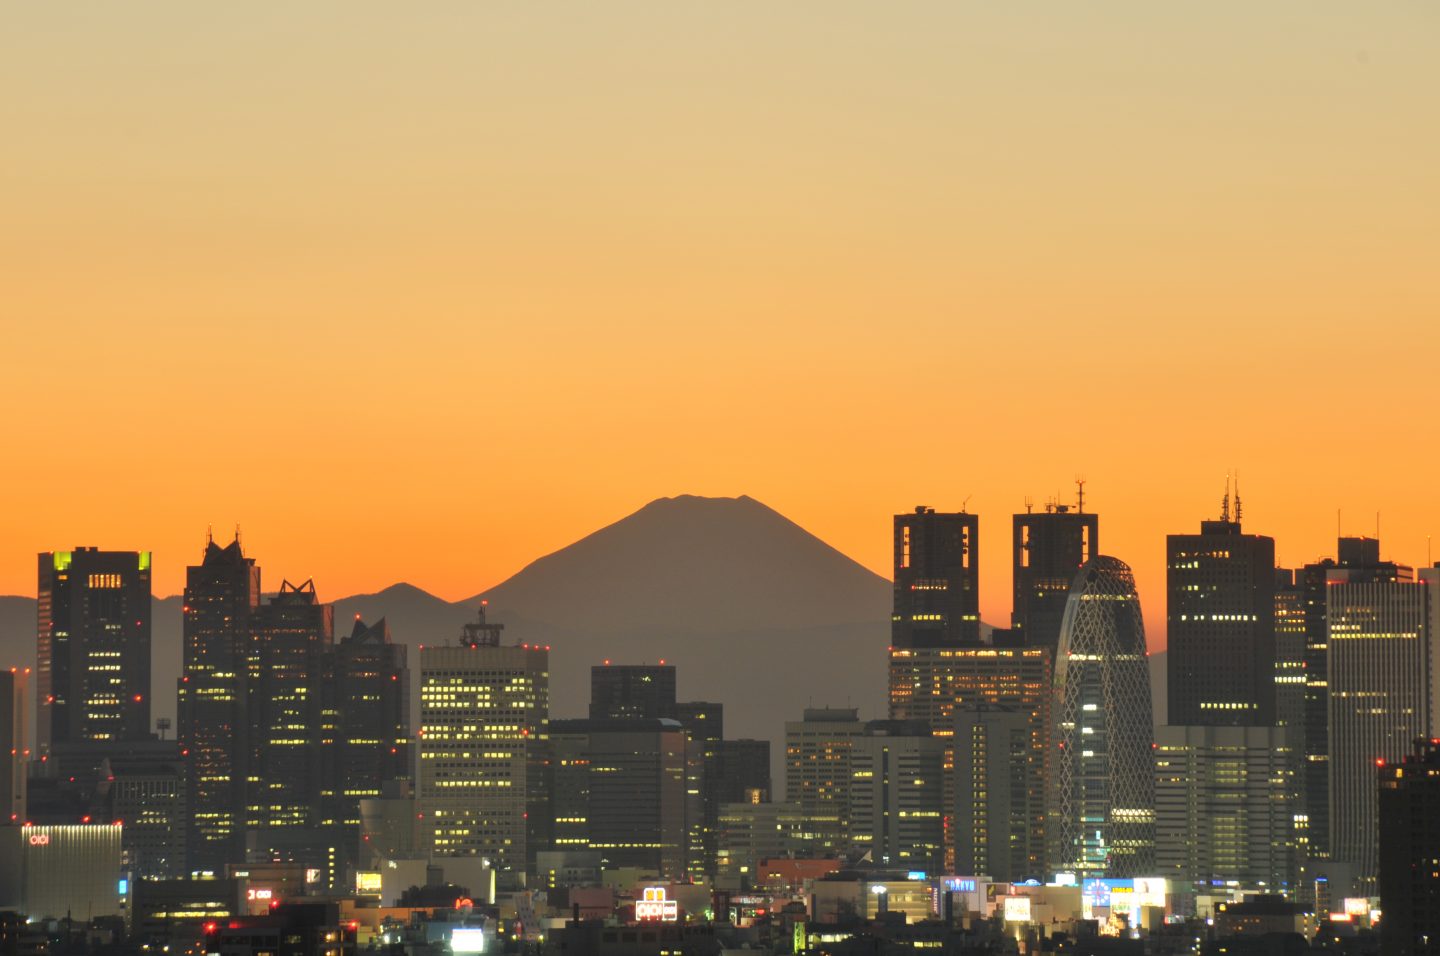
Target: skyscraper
998,786
1290,657
1313,581
618,691
896,802
626,777
1101,810
222,593
15,738
1224,801
937,580
1221,625
484,725
1409,846
936,685
817,770
293,724
93,646
704,724
372,694
1383,633
1048,547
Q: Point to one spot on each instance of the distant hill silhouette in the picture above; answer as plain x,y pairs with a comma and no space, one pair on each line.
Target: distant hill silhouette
755,612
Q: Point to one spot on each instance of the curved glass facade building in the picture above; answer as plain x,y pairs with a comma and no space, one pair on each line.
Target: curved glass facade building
1101,804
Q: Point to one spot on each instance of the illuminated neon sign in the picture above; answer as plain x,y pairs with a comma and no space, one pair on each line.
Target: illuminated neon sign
655,906
39,839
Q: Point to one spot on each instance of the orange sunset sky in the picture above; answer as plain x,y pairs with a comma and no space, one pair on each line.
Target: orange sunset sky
424,291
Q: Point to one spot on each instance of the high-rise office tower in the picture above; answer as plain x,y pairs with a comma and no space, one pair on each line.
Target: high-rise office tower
1221,625
704,724
1048,547
1409,847
638,810
222,593
14,737
1101,809
817,770
1224,802
746,778
936,685
998,786
93,646
1312,580
937,580
293,723
372,693
1290,687
1384,625
1290,657
619,691
896,804
484,716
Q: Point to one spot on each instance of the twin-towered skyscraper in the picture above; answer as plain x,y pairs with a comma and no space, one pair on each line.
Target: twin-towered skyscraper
1062,696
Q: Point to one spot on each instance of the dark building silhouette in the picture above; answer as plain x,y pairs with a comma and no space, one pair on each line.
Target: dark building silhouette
704,723
1048,547
1409,847
620,789
747,771
292,730
1290,656
621,691
1221,624
1356,553
222,594
14,737
937,580
372,696
93,646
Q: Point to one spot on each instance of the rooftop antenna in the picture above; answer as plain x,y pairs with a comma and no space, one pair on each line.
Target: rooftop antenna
1029,504
1225,501
1080,494
209,535
964,503
237,532
1237,495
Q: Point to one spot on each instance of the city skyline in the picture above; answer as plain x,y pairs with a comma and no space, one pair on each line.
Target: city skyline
995,569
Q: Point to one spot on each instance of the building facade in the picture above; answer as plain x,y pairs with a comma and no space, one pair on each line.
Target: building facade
1409,811
92,646
222,594
484,716
1221,626
622,691
1224,805
1383,693
1101,806
817,771
896,806
937,579
1047,549
999,794
14,737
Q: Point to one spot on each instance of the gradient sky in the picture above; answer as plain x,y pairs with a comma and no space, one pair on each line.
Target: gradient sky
424,291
